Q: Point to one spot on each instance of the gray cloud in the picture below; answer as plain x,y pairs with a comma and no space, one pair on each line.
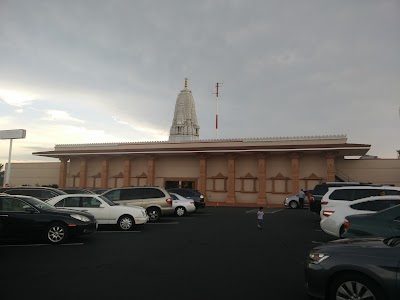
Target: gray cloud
288,67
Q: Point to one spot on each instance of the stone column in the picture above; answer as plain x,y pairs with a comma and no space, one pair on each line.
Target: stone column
105,172
330,167
231,179
62,179
83,173
127,171
295,173
150,171
262,177
203,175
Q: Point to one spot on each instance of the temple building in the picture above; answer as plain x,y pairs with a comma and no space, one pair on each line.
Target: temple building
242,171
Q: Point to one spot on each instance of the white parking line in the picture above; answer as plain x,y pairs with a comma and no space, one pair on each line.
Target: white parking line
267,212
41,245
314,242
133,231
169,223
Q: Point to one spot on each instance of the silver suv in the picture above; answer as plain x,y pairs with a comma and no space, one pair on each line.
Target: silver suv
155,200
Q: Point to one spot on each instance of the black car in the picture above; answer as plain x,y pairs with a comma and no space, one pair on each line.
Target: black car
25,217
365,268
190,194
39,192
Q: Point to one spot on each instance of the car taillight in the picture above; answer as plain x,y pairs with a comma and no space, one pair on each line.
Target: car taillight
346,224
324,203
327,213
192,202
169,201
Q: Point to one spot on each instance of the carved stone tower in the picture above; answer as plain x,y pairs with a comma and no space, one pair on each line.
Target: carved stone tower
184,126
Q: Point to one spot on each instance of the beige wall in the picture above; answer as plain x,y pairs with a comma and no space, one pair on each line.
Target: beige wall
246,166
45,173
371,170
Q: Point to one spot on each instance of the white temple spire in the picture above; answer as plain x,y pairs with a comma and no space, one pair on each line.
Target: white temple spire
184,125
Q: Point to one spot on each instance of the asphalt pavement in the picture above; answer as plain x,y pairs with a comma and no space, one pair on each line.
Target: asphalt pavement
215,253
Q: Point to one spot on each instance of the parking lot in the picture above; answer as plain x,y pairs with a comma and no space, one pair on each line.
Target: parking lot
215,253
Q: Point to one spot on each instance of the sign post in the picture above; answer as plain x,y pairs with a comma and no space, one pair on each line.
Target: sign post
11,134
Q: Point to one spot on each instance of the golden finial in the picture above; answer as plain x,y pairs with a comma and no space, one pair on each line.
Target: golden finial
186,84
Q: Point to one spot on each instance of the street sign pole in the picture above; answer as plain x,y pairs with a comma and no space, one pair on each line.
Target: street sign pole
8,171
10,135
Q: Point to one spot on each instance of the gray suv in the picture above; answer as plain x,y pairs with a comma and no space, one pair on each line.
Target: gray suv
155,200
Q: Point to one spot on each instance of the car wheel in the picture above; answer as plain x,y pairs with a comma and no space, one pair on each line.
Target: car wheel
154,214
293,204
57,233
354,286
180,211
126,222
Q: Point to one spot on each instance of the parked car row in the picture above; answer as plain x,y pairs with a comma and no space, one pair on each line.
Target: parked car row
365,263
62,214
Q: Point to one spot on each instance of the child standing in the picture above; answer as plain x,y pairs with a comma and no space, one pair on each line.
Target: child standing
260,217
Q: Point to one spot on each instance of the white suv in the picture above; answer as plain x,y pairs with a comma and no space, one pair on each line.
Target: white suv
346,194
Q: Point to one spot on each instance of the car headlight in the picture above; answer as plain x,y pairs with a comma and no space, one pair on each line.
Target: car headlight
144,213
316,258
80,217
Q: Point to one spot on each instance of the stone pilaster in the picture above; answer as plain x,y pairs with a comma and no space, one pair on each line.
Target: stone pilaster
330,167
262,177
105,172
62,180
83,173
295,173
127,171
231,179
203,175
150,171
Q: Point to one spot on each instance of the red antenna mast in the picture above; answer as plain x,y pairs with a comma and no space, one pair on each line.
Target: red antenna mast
218,84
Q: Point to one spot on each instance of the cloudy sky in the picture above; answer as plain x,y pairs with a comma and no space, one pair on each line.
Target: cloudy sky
86,71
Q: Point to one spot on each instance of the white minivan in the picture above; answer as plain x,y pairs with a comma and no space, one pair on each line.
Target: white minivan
346,194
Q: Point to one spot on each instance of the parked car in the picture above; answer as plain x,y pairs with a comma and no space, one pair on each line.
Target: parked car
104,210
385,223
365,268
293,201
181,205
98,191
155,200
347,194
332,223
321,189
190,194
26,217
42,193
77,191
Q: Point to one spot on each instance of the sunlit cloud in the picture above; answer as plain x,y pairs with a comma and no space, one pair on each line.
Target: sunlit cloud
59,115
17,98
156,133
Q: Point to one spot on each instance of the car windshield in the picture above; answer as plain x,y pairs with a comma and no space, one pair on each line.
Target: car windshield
392,241
106,200
40,204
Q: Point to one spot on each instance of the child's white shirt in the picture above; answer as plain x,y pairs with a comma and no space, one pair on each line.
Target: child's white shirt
260,215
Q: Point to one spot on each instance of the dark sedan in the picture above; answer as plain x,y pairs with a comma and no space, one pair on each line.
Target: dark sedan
26,217
354,269
385,223
194,195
